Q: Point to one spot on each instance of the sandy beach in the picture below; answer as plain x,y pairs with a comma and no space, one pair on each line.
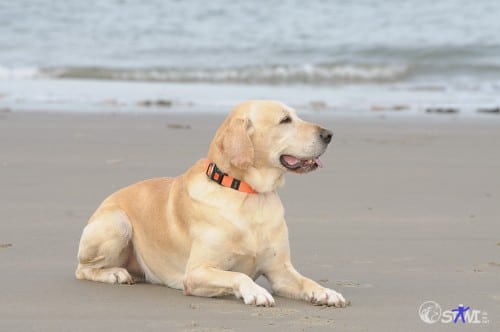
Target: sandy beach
411,203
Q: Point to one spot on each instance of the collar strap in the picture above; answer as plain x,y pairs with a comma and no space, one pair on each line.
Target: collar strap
215,174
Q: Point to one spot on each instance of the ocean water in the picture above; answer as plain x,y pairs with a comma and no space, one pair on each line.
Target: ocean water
358,55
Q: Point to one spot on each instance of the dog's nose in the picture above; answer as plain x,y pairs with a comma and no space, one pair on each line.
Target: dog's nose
326,135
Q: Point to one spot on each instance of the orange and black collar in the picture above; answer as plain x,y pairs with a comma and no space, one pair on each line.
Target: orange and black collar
225,180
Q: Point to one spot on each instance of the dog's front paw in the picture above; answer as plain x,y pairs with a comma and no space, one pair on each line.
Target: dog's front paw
326,296
255,295
119,276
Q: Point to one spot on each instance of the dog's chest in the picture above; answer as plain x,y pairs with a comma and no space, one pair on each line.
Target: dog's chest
256,237
243,232
249,254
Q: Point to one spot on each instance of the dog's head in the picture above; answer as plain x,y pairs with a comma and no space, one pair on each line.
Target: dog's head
261,140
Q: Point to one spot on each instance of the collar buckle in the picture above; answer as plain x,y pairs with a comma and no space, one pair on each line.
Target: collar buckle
214,173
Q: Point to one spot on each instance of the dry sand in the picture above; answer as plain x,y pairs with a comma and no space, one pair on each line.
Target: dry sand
405,210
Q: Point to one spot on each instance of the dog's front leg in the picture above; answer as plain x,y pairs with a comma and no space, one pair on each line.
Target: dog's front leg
209,281
207,275
287,282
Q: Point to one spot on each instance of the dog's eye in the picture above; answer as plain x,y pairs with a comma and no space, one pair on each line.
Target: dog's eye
286,119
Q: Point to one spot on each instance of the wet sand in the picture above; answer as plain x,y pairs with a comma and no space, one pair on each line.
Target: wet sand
406,210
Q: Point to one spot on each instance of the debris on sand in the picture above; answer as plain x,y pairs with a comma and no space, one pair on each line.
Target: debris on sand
155,103
318,105
494,110
393,108
442,110
177,126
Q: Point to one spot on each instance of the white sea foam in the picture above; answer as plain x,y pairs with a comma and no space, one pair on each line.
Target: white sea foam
18,73
118,96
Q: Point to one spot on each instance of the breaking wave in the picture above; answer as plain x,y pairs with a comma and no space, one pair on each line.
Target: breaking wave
273,74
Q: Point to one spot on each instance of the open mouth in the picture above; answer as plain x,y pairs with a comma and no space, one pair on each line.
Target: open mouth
300,165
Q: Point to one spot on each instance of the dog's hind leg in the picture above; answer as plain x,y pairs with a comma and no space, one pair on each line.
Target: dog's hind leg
106,249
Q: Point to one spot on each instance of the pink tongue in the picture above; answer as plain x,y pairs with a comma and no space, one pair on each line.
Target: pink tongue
291,160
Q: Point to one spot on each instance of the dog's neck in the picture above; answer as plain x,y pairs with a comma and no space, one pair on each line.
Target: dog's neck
264,180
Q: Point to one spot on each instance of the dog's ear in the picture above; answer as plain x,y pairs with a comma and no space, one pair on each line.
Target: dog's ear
235,143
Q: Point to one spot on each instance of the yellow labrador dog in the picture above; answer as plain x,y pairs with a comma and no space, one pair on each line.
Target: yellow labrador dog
215,229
